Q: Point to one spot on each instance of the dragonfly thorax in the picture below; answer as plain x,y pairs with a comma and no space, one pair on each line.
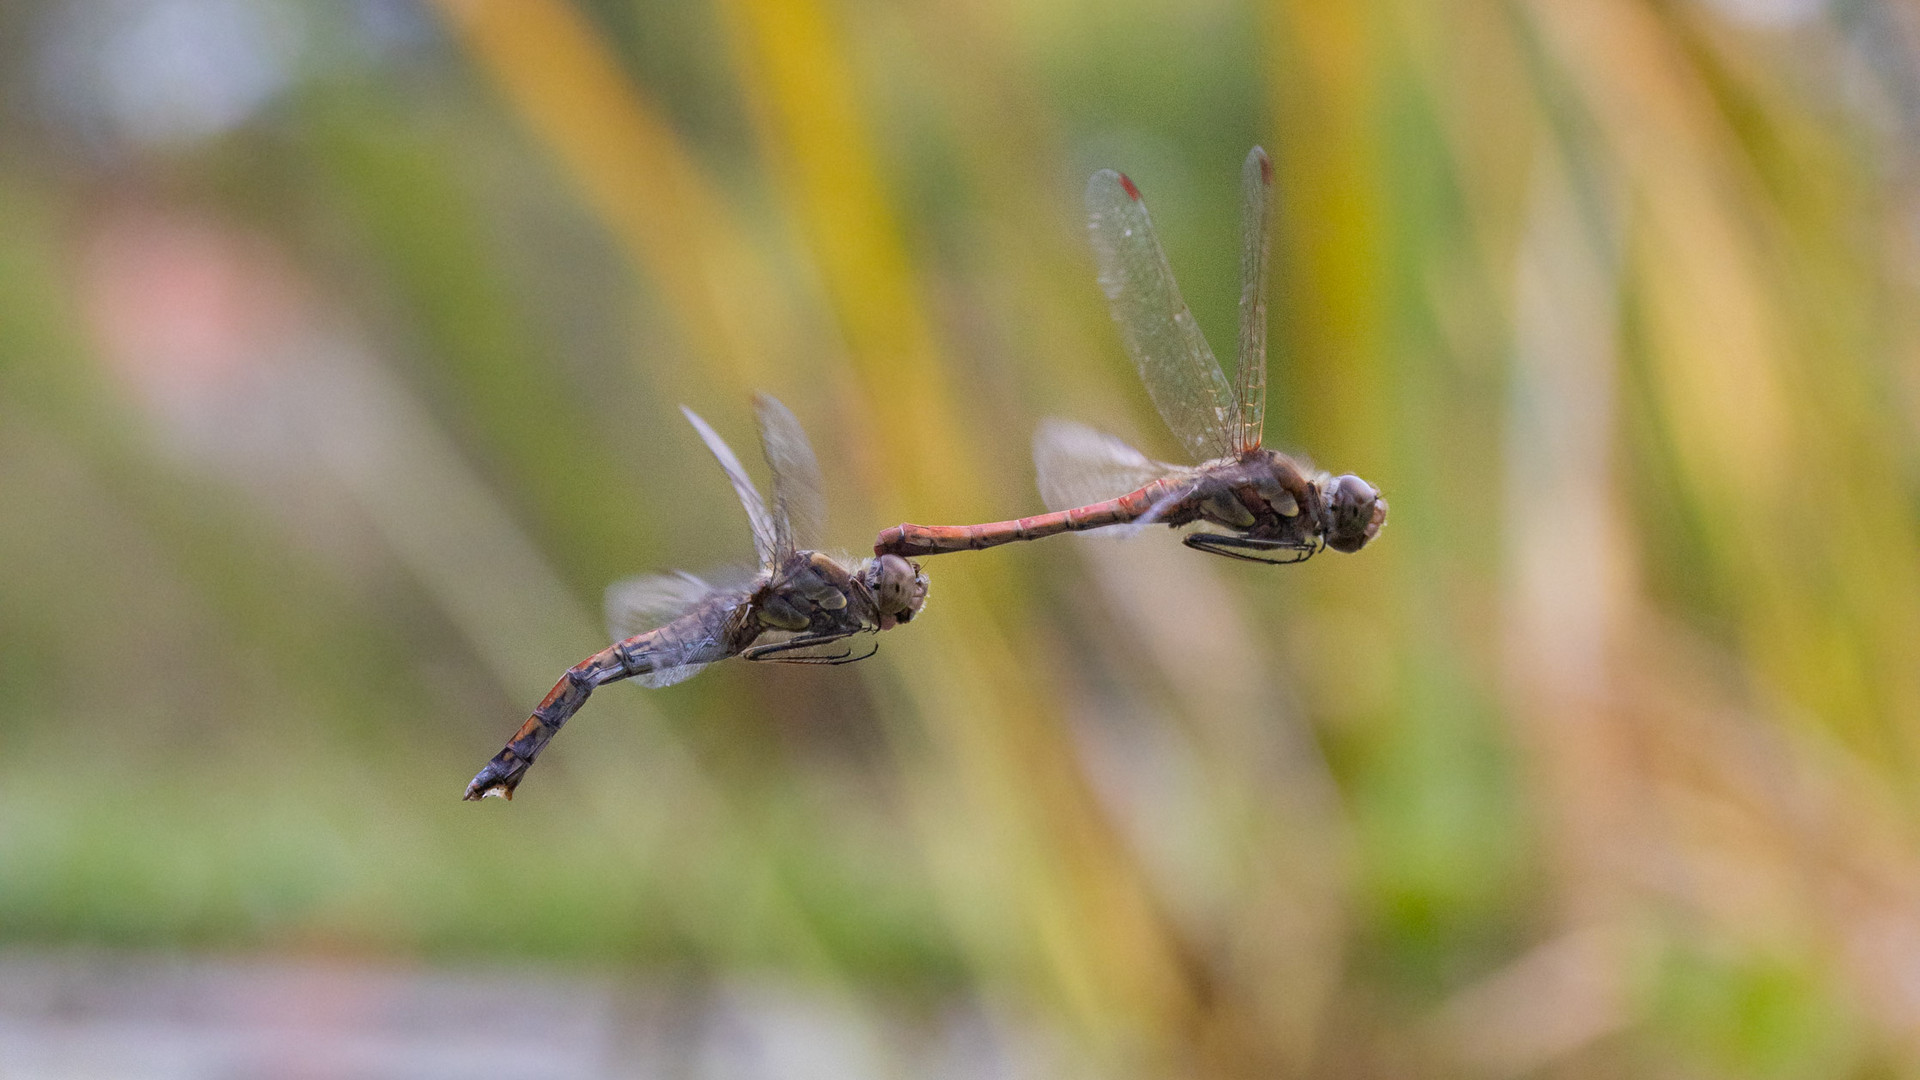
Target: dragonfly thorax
1264,495
1270,497
813,593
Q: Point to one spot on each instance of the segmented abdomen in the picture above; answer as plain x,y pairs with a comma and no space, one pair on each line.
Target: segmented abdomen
910,540
687,640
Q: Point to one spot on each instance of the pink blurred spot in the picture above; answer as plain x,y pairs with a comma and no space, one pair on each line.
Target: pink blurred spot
182,304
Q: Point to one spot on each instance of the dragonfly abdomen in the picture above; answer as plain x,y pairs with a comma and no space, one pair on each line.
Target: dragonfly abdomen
502,774
911,540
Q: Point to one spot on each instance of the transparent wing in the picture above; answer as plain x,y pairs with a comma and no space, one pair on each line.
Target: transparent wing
639,604
1075,465
799,510
1158,510
665,675
636,605
1158,331
684,616
764,543
659,678
1250,377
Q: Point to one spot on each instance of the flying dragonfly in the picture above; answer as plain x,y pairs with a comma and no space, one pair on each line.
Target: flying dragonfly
1251,503
800,607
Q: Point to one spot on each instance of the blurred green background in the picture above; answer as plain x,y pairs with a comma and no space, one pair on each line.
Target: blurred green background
340,350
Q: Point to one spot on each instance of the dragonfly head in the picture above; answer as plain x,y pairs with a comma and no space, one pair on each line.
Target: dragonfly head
899,588
1356,511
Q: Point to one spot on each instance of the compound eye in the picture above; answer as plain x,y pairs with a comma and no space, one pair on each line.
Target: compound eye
1351,493
1358,513
894,584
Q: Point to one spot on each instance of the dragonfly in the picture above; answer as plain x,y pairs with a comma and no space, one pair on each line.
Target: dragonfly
800,607
1249,502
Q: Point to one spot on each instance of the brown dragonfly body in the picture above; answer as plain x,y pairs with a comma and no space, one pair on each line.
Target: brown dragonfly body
1248,502
1265,501
801,607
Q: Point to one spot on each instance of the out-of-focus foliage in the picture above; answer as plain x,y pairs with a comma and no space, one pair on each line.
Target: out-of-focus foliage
340,345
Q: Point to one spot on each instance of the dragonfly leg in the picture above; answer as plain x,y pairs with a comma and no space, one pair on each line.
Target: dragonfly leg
1251,549
778,652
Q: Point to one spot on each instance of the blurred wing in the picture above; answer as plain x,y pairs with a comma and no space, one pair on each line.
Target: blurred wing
636,605
1250,390
799,510
1158,510
669,671
667,676
1158,331
764,544
642,604
1075,465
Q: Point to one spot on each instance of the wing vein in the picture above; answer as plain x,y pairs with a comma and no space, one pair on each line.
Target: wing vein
1250,377
765,541
1156,327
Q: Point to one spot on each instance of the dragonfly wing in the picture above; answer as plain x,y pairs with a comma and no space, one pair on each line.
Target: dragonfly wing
636,605
1159,509
799,510
1156,328
666,676
764,544
639,605
1256,208
1075,465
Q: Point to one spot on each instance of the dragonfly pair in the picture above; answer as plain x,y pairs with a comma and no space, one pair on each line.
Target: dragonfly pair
804,607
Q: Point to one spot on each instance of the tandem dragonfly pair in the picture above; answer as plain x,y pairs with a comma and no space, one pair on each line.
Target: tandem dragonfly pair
803,607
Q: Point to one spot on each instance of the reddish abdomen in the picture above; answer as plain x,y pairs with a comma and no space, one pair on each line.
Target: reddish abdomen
910,540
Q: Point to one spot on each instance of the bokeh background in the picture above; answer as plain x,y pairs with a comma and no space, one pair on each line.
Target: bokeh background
340,350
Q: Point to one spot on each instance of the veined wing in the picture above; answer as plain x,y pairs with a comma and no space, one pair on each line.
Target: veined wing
799,510
1075,465
1158,331
638,605
764,542
1250,378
